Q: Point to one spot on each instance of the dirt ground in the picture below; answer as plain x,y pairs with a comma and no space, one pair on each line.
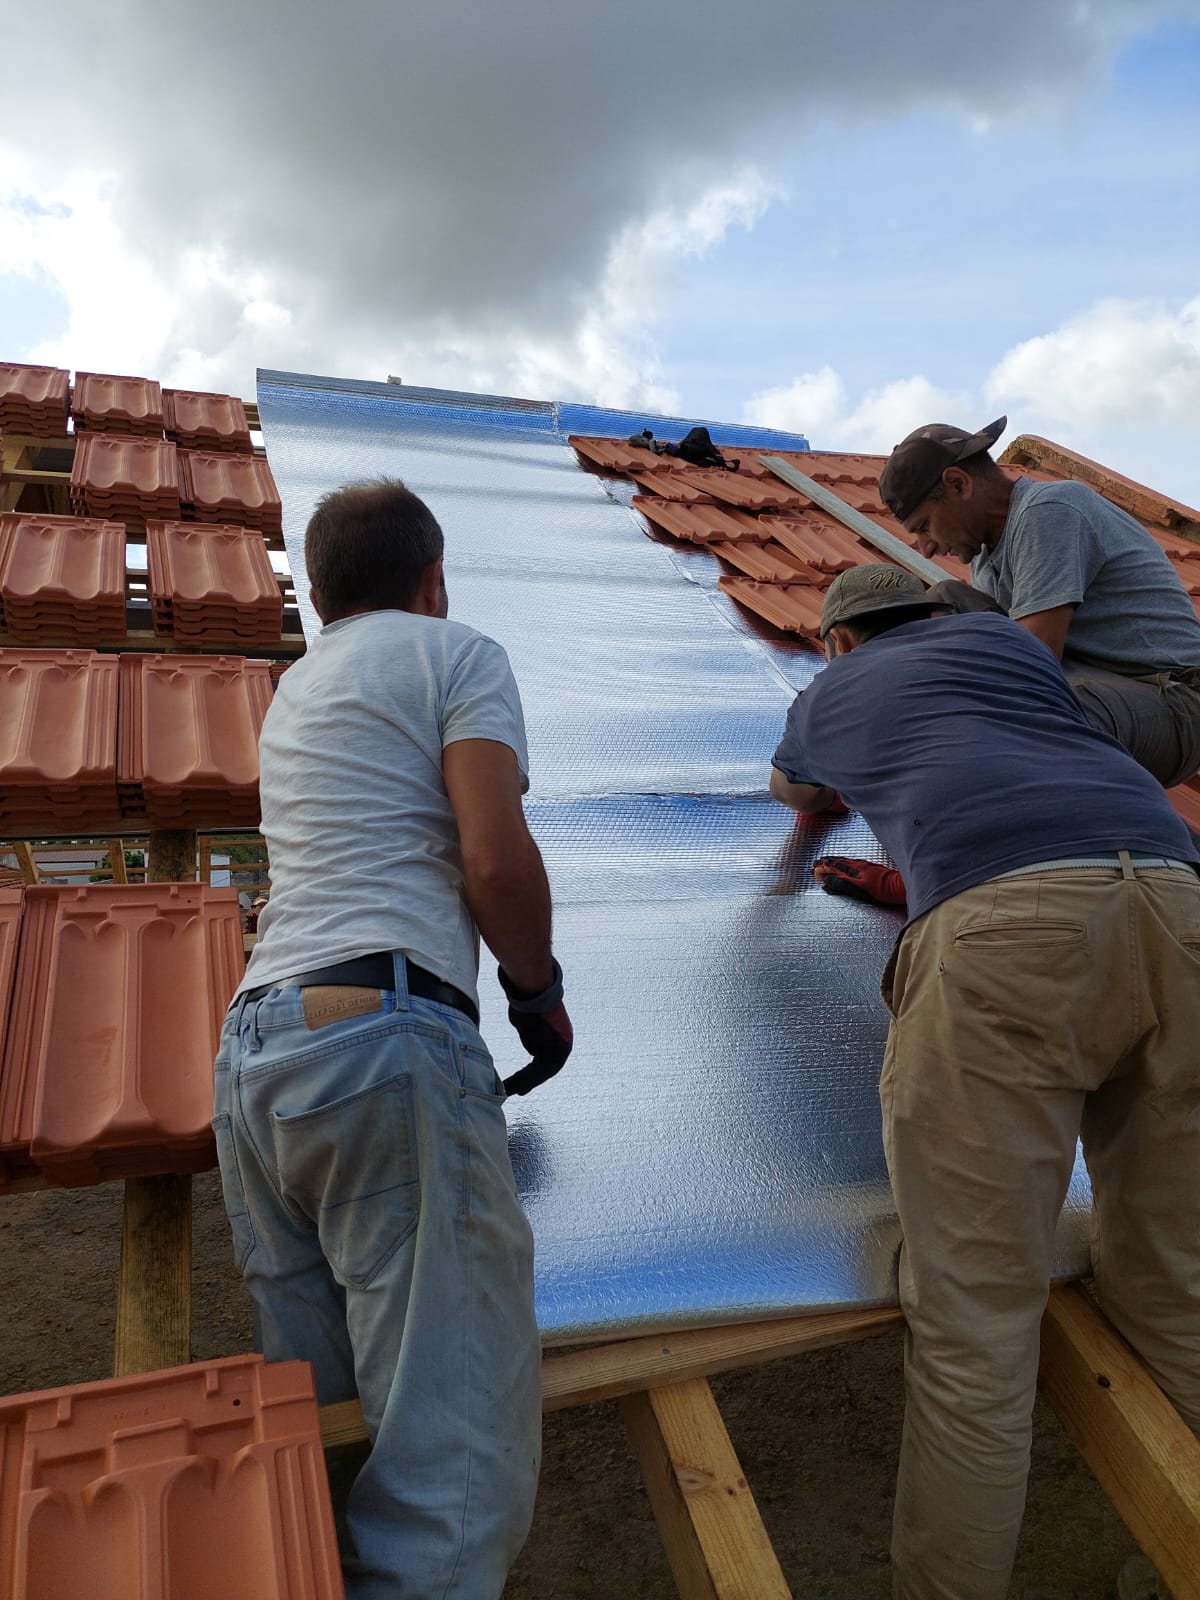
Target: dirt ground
817,1435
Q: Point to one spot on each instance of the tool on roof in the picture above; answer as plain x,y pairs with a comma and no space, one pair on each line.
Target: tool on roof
879,538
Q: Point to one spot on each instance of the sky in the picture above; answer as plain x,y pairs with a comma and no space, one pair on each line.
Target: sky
846,220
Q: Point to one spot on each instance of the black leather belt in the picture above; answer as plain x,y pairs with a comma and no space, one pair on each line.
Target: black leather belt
374,972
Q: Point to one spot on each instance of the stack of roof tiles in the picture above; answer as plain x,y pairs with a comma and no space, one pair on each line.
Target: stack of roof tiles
107,404
187,739
34,400
58,728
216,486
212,584
115,1011
125,478
199,1481
89,742
61,578
206,421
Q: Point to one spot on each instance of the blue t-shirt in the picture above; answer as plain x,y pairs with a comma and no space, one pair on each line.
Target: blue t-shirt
960,741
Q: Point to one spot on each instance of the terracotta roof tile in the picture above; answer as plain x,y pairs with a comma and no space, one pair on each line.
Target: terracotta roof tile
219,487
769,562
11,903
818,540
211,583
196,1481
670,486
110,404
199,421
700,522
751,494
1186,800
34,399
128,479
188,738
58,726
1156,511
117,1005
793,607
61,578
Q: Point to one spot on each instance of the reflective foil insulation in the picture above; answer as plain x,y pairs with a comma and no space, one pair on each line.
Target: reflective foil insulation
712,1151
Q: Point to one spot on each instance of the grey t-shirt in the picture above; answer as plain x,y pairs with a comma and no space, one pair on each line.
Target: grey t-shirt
1064,544
362,840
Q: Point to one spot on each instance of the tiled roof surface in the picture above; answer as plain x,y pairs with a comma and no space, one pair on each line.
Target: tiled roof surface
125,478
213,584
61,578
218,487
117,1005
111,404
34,400
206,421
187,748
58,728
777,539
198,1481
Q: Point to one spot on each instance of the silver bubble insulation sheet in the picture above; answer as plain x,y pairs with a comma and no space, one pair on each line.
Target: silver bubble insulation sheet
712,1152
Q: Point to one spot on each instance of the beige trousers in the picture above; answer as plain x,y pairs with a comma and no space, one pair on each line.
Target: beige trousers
1025,1013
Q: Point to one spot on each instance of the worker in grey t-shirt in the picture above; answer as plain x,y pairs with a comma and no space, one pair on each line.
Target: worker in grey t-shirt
359,1119
1079,573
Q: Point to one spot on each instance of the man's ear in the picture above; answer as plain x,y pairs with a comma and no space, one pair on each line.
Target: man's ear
314,599
959,484
843,641
428,599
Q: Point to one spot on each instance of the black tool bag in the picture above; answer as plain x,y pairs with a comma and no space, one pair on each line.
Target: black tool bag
697,447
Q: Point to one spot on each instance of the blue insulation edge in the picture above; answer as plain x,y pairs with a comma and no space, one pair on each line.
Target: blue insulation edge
558,418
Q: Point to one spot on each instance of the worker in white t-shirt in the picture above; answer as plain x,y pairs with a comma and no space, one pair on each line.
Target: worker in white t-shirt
359,1118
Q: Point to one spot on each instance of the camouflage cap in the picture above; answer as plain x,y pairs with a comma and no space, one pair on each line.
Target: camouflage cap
916,465
878,587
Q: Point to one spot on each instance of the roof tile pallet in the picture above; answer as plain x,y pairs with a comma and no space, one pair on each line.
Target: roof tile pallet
34,400
62,578
117,1005
187,739
58,739
212,584
124,478
189,1484
206,421
108,404
219,487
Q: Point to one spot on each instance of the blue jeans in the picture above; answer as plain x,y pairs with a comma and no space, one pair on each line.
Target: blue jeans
364,1162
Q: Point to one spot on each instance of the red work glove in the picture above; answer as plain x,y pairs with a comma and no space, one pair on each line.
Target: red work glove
861,880
543,1027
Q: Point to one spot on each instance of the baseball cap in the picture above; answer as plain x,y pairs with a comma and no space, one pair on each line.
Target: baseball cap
878,587
916,465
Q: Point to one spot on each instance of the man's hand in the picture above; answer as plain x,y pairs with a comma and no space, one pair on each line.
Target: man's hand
861,880
543,1027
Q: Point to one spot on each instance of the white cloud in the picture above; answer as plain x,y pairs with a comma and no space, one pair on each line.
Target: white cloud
1120,363
817,404
1119,382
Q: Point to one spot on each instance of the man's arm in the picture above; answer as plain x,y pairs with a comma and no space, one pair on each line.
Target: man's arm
1049,626
807,798
505,879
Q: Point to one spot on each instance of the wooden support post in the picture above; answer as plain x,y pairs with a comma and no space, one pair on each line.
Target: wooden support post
154,1285
1144,1456
29,867
707,1518
116,858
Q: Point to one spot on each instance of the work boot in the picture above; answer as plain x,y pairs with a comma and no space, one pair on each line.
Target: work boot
1137,1580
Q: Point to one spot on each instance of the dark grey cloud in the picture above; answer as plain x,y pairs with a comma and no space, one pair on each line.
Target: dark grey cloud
396,168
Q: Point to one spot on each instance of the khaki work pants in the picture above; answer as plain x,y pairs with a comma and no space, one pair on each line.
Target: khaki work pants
1027,1012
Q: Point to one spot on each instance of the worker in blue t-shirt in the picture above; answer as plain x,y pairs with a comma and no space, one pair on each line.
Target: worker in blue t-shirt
1046,986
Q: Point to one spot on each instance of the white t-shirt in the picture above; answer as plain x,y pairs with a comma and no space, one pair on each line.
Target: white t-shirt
363,844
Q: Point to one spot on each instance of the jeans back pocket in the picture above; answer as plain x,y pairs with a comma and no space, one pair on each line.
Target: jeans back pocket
351,1167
